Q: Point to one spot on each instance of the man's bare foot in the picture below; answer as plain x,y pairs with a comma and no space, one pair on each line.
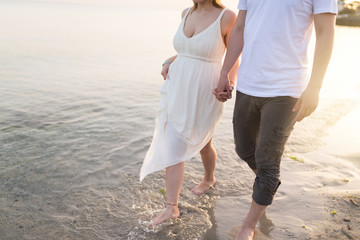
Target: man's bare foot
170,212
246,232
203,187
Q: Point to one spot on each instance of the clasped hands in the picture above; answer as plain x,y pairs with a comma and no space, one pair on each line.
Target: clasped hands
224,89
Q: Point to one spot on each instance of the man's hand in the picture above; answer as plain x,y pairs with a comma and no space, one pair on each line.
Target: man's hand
221,96
223,90
307,103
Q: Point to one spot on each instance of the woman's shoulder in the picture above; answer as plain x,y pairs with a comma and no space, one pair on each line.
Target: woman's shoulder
229,15
228,19
184,12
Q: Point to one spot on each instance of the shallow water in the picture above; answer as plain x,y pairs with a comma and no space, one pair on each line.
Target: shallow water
78,98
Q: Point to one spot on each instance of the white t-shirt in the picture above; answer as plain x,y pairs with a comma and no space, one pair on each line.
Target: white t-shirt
277,33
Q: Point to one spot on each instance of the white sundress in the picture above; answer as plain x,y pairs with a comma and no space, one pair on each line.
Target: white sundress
188,112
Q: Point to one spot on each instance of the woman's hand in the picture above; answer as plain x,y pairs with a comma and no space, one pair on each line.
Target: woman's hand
165,70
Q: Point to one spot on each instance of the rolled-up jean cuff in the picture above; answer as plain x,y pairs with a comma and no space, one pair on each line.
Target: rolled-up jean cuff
262,194
264,199
251,165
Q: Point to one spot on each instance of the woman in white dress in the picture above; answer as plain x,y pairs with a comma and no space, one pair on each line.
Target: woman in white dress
188,112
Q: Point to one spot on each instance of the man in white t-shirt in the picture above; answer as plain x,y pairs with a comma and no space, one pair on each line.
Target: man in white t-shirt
274,89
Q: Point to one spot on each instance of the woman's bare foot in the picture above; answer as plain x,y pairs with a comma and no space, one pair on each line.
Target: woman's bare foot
203,187
170,212
246,232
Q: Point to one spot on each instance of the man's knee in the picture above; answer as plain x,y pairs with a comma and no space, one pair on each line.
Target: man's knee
247,156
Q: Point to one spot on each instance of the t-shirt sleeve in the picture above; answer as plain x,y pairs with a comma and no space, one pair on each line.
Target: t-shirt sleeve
242,5
325,6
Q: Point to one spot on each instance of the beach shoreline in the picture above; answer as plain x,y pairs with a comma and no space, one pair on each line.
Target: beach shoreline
348,20
80,88
349,14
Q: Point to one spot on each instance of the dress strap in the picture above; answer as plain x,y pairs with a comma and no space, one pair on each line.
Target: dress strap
187,13
221,14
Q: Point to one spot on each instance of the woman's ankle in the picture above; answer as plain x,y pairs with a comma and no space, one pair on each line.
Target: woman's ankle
209,179
172,206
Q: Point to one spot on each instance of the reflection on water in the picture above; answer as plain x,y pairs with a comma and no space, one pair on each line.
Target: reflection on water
78,95
265,224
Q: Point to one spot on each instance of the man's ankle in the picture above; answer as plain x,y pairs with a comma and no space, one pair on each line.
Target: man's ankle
249,225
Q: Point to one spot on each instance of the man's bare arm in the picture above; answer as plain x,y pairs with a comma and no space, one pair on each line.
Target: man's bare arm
325,31
235,46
